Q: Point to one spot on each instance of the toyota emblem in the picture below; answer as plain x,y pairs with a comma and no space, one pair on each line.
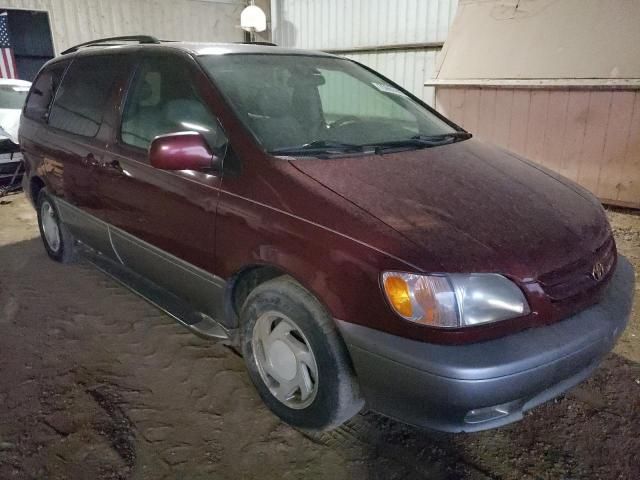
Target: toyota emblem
598,271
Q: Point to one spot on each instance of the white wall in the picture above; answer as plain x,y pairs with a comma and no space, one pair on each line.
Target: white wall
364,29
409,68
77,21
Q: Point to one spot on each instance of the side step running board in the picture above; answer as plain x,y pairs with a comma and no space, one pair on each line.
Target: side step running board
199,323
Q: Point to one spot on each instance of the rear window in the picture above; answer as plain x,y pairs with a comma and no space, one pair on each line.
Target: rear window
43,91
83,95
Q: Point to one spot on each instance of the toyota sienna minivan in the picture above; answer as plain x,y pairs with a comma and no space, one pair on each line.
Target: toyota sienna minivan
359,249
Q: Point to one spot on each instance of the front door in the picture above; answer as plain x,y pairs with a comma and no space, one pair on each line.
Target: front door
164,221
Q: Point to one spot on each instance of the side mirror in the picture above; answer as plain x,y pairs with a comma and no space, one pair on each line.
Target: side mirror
182,151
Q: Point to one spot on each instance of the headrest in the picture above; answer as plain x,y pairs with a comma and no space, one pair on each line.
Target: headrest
305,78
274,103
185,109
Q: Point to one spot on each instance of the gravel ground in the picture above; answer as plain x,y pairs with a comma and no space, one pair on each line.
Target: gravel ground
97,384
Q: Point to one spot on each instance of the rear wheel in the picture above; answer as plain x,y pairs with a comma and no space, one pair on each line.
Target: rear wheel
296,357
58,241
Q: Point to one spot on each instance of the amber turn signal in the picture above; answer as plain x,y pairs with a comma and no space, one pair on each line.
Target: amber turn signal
397,291
422,299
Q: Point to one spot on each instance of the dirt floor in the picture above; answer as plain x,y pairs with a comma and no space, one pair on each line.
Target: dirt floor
97,384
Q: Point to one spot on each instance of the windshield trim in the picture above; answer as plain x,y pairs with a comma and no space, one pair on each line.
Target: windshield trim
257,140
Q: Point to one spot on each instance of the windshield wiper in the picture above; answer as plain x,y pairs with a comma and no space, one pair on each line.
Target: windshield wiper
319,146
420,141
328,147
443,137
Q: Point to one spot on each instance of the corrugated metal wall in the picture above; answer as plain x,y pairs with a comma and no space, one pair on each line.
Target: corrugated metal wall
409,68
77,21
345,24
364,29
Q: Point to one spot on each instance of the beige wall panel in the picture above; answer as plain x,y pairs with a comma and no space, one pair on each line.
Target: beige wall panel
555,129
486,127
617,134
595,136
503,115
471,109
519,119
630,174
590,136
444,103
536,126
457,104
508,39
577,110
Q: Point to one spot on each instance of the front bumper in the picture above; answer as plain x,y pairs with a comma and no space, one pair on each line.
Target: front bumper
475,387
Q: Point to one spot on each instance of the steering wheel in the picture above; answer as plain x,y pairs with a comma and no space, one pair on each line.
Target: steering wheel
346,120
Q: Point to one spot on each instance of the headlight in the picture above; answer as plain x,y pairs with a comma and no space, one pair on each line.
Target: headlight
455,300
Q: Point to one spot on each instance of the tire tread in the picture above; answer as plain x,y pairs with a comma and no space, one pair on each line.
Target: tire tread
348,399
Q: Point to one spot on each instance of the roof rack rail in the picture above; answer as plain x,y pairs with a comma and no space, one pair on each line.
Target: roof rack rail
269,44
100,41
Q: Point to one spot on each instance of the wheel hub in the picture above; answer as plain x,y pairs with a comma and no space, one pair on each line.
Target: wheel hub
283,360
286,363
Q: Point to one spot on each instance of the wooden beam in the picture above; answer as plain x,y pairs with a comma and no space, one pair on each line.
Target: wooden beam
545,83
388,48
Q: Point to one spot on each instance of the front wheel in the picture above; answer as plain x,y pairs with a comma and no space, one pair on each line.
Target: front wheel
296,357
58,241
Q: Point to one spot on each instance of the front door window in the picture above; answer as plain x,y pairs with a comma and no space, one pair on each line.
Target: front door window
163,100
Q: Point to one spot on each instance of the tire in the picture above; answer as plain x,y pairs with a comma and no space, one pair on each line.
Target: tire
63,250
335,397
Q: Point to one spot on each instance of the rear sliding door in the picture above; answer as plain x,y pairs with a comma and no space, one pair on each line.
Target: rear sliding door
78,141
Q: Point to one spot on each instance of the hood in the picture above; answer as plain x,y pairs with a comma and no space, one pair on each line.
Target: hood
471,207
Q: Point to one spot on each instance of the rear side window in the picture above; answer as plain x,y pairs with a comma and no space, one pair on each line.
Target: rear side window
43,91
83,95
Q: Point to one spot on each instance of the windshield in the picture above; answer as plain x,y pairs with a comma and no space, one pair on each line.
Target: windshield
298,104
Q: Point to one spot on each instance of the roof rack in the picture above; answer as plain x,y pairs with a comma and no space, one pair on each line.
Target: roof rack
269,44
106,42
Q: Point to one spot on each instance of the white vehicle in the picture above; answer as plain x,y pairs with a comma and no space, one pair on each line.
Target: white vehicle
13,94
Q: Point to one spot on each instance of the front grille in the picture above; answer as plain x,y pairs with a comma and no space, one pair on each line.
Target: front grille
577,277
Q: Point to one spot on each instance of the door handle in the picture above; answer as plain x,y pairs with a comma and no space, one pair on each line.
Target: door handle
114,164
90,160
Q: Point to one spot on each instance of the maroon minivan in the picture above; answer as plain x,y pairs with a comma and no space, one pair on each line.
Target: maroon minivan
357,247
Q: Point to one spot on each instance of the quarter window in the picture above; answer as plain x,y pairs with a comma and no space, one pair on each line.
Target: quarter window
81,100
43,90
163,100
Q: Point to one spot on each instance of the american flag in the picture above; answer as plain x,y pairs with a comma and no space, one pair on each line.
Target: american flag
7,60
